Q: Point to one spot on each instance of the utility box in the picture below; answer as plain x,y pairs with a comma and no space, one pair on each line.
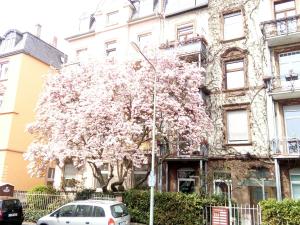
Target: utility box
6,189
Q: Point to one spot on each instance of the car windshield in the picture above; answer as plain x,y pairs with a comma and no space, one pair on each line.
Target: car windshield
119,210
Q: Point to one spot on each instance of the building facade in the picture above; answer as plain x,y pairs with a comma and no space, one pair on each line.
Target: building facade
24,59
250,50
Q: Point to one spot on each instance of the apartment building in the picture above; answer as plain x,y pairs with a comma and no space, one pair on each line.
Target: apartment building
281,29
24,59
250,52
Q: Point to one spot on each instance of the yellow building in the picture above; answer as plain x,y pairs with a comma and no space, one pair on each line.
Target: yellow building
24,59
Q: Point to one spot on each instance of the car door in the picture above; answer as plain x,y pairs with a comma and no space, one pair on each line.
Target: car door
98,216
82,215
63,216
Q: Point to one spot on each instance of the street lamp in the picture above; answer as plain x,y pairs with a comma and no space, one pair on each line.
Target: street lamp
152,178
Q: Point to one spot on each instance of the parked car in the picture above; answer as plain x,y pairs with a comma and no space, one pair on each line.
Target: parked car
11,212
91,212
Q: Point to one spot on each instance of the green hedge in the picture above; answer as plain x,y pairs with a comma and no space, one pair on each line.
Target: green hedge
171,208
280,213
32,215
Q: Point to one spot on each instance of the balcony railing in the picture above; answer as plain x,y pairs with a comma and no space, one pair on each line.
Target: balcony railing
289,82
281,27
179,152
286,147
192,45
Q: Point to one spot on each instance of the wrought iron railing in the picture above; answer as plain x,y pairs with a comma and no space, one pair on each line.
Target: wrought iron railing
282,26
192,45
286,147
288,82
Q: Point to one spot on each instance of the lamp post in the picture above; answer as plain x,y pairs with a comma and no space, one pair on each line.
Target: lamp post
152,177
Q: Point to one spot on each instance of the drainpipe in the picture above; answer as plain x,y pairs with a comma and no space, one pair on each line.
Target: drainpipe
278,182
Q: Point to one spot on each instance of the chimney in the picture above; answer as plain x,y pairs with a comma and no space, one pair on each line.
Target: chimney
54,41
38,30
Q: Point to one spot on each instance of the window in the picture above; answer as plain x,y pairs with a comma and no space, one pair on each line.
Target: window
173,6
1,100
186,180
139,175
234,74
111,49
144,40
185,32
3,70
282,10
143,7
51,173
118,210
292,128
237,133
289,65
295,183
81,53
233,26
222,183
105,172
83,211
98,212
70,172
112,18
65,211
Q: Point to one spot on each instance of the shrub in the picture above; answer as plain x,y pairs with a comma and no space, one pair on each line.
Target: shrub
171,208
32,215
40,197
84,194
43,189
277,213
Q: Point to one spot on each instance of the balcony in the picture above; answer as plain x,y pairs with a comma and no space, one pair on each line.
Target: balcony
194,45
282,31
286,87
179,152
287,148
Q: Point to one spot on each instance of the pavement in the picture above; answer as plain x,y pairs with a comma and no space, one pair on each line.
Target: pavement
28,223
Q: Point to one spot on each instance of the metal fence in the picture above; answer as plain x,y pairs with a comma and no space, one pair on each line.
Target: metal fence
49,202
232,215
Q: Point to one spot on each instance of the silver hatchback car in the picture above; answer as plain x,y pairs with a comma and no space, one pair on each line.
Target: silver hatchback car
90,212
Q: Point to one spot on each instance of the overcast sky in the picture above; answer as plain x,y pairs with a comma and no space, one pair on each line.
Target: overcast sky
57,17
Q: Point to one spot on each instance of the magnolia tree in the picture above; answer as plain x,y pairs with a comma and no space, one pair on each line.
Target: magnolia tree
95,113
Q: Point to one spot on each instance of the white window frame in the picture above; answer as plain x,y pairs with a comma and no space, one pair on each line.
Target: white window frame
185,32
291,75
3,70
291,140
112,18
233,73
231,140
143,45
296,172
110,46
191,179
52,174
236,26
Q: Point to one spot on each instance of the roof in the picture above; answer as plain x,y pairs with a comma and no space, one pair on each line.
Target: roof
96,202
14,42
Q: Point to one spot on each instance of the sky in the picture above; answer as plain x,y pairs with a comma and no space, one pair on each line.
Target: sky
58,18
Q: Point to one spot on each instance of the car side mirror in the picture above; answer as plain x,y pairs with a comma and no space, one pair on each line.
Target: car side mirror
57,215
